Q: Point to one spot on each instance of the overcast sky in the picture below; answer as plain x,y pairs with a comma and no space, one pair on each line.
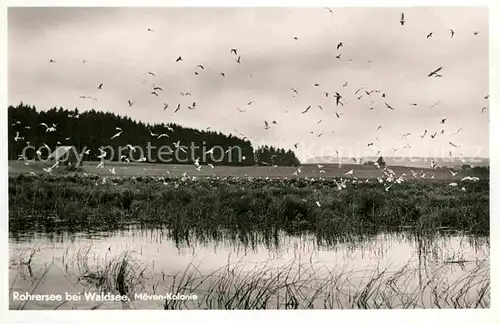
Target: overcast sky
377,53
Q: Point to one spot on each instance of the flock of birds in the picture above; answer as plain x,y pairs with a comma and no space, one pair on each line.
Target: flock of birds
388,175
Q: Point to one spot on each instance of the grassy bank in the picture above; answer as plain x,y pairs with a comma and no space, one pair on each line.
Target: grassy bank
241,208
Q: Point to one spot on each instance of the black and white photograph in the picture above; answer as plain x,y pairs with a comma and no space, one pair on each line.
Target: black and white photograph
248,158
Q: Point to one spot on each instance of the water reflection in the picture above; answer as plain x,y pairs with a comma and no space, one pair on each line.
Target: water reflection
445,256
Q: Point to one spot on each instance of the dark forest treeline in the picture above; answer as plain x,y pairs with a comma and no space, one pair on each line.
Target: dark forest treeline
91,130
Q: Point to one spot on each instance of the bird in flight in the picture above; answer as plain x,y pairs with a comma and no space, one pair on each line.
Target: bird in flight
388,106
201,67
402,21
476,32
345,84
235,51
338,115
130,103
443,120
150,30
49,129
100,86
295,91
484,108
238,59
151,73
429,35
337,98
358,90
435,71
296,145
405,136
165,106
178,108
435,104
434,135
456,133
117,134
331,11
158,88
379,128
267,125
423,135
178,59
452,33
339,56
154,93
307,109
339,45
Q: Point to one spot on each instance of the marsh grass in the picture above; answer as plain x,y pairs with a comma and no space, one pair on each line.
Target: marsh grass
121,274
241,208
295,285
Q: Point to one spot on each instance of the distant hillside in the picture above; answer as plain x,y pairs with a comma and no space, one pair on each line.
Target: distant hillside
415,162
92,129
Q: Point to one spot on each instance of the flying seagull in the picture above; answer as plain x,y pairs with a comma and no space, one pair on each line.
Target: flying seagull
331,11
388,106
165,106
443,120
130,103
178,59
402,21
429,35
117,134
238,59
435,71
267,124
339,45
452,32
307,109
100,86
338,97
151,73
235,51
178,108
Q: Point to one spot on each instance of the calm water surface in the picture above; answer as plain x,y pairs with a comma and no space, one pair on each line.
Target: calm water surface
57,257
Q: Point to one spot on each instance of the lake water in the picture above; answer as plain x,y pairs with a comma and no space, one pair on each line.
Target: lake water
324,277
